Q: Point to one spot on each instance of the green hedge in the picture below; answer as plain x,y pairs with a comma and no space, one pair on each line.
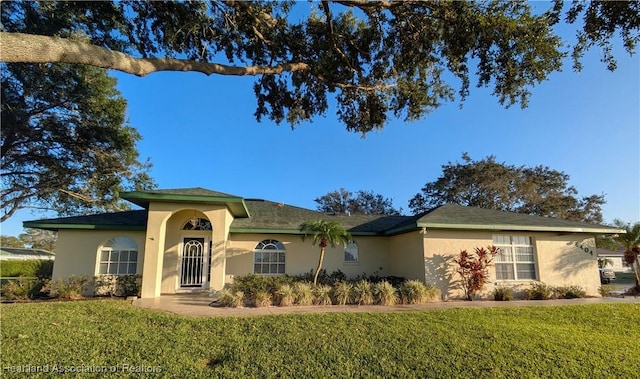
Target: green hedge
29,268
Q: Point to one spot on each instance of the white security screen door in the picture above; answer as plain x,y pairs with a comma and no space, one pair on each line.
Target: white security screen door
193,262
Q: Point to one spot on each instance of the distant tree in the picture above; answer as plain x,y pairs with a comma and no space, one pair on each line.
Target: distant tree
10,241
364,202
488,184
39,239
324,233
377,59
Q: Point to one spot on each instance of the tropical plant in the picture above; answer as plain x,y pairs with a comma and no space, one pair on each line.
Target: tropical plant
416,292
362,293
285,295
629,241
262,299
322,294
324,233
473,270
303,293
384,293
342,293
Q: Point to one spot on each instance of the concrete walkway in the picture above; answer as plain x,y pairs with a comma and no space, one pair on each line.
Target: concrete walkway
198,306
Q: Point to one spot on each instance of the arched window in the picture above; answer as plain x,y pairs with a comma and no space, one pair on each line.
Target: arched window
197,224
269,258
351,252
119,256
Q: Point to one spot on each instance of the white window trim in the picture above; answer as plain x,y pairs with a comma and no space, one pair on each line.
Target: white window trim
256,250
514,262
357,255
104,247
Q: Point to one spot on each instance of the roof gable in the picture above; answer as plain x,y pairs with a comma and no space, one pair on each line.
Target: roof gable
198,195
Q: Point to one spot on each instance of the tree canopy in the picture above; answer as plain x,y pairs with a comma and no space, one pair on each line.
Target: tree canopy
65,144
488,184
364,202
375,59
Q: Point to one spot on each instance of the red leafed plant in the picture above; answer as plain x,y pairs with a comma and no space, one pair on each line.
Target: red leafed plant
473,269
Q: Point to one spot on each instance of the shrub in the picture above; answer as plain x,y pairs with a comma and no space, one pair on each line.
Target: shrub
262,299
252,284
342,293
322,294
29,268
229,298
73,287
416,292
606,290
473,270
117,285
303,293
22,288
538,291
384,293
285,295
362,293
570,292
503,294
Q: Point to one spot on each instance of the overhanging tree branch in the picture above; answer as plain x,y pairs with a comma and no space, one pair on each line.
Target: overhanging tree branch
30,48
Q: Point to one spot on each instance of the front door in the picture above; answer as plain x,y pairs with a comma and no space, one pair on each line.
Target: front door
194,263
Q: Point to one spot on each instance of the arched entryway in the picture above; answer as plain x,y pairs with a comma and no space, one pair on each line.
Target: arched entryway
195,254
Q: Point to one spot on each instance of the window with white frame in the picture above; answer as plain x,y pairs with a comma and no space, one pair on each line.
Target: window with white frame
119,256
516,260
351,252
269,257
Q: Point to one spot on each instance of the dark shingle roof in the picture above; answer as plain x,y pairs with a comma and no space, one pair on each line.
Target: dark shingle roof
268,215
271,217
128,220
455,216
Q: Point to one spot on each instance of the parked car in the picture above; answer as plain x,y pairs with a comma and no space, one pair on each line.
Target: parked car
607,275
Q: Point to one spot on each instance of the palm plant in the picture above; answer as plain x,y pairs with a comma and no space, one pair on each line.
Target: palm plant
629,241
324,233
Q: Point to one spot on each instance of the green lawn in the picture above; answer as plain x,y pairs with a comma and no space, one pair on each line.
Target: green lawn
570,341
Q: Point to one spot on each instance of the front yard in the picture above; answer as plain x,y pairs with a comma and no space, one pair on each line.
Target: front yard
112,337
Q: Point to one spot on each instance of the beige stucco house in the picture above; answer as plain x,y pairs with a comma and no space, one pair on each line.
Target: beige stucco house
187,240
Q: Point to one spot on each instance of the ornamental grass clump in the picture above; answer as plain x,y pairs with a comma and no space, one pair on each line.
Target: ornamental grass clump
362,293
413,292
342,293
233,299
322,295
285,295
262,299
384,293
303,293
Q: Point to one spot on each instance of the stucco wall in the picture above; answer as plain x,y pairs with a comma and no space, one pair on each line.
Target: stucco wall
169,239
302,257
567,260
406,256
559,262
77,251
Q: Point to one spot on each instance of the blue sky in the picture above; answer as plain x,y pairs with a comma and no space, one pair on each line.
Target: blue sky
200,131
